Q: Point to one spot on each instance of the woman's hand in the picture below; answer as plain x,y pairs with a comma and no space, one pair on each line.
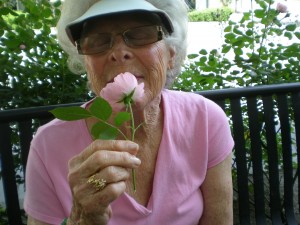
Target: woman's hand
107,160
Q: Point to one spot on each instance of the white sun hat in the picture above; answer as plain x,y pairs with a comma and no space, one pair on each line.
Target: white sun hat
109,7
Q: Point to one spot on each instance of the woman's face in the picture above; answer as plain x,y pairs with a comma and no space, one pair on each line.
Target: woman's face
148,63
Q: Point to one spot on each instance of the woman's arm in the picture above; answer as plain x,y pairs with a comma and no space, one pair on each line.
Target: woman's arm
217,194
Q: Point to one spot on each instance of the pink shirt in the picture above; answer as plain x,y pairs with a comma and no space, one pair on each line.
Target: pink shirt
196,136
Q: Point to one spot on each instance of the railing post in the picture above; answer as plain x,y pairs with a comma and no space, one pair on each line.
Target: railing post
241,162
275,205
256,155
288,198
25,128
8,176
296,107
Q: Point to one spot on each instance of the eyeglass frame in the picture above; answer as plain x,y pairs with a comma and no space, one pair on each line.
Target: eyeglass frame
160,35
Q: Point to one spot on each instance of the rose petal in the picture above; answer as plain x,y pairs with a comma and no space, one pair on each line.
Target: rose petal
281,8
122,86
139,92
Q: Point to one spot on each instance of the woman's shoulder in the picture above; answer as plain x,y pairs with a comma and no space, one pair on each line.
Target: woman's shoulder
188,100
58,129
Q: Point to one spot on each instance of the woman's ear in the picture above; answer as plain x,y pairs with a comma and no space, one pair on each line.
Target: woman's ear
172,53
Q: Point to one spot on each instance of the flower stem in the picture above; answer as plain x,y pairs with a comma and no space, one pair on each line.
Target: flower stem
132,139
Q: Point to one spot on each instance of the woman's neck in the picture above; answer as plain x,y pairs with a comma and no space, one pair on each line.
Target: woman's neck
150,118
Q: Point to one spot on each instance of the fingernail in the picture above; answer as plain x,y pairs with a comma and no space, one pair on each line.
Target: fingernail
132,145
136,161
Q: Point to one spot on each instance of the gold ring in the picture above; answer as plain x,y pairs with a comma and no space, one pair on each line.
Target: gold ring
99,184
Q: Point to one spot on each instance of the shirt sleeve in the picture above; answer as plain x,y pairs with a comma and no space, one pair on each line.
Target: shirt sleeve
41,201
220,141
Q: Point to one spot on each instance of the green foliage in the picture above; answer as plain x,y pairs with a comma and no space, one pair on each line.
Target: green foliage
257,50
71,113
262,48
101,110
212,14
226,2
33,67
3,216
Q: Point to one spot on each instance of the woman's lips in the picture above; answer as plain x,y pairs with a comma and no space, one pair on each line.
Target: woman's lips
138,77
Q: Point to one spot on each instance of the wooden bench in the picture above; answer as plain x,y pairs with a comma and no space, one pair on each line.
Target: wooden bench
265,124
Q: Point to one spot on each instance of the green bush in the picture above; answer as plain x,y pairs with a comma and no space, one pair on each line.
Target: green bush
213,14
262,48
33,67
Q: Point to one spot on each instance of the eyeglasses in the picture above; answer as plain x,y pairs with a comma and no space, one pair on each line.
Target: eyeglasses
134,37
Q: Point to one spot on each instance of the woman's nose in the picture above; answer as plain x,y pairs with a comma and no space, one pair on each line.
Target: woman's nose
120,52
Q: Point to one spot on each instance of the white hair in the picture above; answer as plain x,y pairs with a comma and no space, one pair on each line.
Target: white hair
176,9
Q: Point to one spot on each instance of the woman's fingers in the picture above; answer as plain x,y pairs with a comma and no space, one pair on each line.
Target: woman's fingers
101,154
99,161
102,159
87,195
113,145
97,176
105,177
103,198
113,174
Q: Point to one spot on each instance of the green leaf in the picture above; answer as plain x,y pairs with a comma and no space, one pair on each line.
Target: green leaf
47,13
238,51
12,43
230,36
227,29
251,24
71,113
203,52
297,34
203,59
4,10
237,31
249,32
288,35
101,109
57,4
103,131
226,48
122,117
192,56
259,13
291,27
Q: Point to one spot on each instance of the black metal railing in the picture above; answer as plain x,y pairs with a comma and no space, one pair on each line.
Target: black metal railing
265,123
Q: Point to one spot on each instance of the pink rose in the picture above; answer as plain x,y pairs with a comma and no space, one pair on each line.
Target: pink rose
22,46
124,85
281,8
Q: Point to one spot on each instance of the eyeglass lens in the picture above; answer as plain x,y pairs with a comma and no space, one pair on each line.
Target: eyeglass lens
100,42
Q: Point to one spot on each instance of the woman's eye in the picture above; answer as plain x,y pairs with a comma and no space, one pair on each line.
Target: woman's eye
137,36
97,42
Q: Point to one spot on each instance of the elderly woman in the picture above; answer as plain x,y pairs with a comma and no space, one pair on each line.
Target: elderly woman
181,153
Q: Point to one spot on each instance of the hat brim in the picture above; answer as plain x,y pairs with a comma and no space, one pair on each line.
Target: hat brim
111,7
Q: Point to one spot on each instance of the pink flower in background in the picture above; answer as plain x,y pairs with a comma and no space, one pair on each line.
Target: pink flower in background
22,46
281,8
125,87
